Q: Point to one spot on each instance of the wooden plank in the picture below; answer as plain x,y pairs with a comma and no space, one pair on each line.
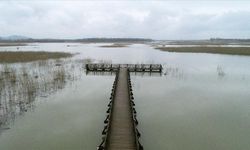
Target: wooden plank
121,135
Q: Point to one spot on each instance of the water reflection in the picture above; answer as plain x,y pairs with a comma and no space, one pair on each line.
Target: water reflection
220,71
21,84
174,72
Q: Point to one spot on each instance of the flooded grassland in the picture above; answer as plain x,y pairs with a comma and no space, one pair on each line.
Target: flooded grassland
21,84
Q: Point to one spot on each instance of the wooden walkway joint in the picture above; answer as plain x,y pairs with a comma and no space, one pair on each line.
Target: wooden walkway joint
130,67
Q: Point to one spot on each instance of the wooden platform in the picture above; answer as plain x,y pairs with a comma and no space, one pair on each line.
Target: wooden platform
130,67
121,135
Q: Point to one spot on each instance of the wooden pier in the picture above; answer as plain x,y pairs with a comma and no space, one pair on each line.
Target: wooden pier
122,136
130,67
120,131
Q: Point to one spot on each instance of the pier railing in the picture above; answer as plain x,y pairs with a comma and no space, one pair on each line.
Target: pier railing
130,67
134,113
107,121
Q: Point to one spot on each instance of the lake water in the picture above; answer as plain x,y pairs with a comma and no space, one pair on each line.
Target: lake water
201,101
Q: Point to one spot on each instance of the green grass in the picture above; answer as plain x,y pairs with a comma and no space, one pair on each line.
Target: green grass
13,57
213,50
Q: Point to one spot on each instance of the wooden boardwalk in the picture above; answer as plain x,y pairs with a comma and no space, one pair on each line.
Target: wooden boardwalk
120,130
122,135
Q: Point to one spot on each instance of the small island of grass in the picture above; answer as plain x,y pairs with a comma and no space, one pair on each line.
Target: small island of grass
208,49
12,44
27,56
115,45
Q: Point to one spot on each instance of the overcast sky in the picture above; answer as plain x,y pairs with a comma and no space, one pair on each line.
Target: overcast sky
180,19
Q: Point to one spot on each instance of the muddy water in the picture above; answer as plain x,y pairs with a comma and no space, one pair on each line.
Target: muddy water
201,101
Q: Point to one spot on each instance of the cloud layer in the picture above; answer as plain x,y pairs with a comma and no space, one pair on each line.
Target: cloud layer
147,19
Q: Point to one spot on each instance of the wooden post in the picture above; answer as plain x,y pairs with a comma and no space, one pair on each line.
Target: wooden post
87,67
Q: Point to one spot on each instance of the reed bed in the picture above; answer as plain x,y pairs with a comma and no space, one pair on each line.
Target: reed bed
23,84
26,56
12,44
115,45
206,49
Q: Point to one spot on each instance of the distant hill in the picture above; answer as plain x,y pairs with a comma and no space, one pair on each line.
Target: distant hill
14,38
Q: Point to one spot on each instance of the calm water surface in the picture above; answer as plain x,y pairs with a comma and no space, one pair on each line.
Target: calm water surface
201,101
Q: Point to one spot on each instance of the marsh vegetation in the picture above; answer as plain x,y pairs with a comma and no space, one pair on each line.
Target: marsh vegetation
208,49
12,44
12,57
21,84
115,45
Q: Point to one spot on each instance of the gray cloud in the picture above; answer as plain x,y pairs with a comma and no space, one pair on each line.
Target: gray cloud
150,19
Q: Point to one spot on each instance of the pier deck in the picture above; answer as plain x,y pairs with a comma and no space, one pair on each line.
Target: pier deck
122,136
